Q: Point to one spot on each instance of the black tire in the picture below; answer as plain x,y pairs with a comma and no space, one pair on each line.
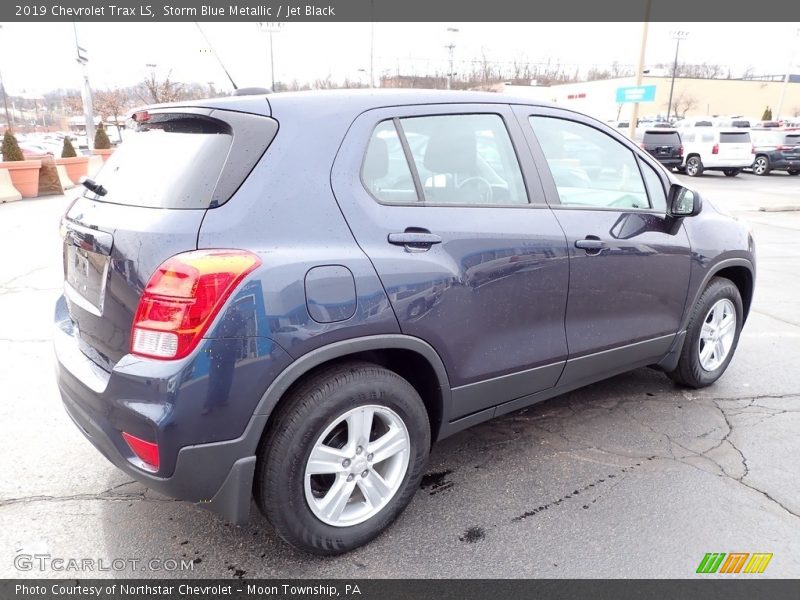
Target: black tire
302,417
689,371
793,172
694,166
761,165
731,172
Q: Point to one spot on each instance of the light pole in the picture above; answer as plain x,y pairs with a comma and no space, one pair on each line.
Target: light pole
271,28
677,36
450,47
640,69
5,99
788,74
86,91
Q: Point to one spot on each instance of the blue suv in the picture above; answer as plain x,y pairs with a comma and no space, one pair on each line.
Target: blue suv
292,296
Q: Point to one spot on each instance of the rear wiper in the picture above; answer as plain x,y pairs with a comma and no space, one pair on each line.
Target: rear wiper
93,186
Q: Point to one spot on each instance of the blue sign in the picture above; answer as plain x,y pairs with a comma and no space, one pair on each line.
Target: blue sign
639,93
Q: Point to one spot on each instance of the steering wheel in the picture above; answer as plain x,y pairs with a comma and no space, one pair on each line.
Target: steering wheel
483,189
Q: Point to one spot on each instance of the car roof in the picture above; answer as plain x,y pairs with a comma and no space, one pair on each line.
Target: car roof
349,101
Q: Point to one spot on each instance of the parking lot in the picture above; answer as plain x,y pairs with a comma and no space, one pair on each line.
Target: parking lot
631,477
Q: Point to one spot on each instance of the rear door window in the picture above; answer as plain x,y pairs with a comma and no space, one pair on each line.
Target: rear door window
662,138
792,140
456,159
734,138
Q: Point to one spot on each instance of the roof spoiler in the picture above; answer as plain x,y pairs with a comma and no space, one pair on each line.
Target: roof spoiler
251,91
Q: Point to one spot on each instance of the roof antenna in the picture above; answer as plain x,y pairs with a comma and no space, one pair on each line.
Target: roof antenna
214,52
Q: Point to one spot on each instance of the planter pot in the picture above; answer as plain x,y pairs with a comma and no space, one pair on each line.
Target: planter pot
104,153
24,175
76,167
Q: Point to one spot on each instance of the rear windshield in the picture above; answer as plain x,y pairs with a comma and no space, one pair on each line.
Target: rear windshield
662,138
734,138
169,161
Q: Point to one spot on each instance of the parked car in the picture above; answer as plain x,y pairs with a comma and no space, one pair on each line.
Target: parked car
776,150
695,122
716,149
663,144
238,321
735,121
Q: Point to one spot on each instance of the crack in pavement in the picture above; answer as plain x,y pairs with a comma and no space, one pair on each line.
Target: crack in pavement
104,495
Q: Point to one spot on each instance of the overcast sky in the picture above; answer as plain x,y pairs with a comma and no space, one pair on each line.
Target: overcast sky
37,57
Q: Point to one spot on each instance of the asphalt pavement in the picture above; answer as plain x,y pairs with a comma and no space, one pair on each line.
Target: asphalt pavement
631,477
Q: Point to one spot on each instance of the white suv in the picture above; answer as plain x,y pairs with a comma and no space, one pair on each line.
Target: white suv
712,148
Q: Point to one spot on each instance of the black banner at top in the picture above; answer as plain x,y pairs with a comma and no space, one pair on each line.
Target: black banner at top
401,10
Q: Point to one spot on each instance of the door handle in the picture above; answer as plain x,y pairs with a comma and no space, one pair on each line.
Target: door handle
592,245
415,241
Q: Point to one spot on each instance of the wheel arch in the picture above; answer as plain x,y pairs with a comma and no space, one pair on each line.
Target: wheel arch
412,358
738,270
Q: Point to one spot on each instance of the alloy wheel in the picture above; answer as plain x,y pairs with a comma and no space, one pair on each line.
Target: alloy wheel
717,334
357,465
760,166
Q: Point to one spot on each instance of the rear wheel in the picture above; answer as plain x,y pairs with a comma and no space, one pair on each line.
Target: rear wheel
694,166
343,458
731,172
793,172
711,336
761,165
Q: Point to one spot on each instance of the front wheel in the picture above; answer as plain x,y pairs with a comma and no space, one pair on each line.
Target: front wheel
711,336
694,166
343,458
793,172
731,172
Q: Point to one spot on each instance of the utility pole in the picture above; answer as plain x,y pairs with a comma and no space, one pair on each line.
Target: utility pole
450,48
677,36
5,99
640,68
372,54
86,91
788,74
270,28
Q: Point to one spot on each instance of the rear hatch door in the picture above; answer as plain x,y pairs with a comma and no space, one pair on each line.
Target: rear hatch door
171,168
662,144
735,145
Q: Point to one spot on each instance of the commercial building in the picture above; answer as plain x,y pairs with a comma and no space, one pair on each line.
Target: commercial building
691,97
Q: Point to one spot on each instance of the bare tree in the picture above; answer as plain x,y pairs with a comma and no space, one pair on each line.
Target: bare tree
682,103
112,103
151,90
73,105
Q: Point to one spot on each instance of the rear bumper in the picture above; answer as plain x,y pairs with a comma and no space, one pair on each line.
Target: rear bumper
728,163
165,402
670,162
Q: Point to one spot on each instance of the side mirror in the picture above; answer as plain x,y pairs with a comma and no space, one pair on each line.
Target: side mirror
684,202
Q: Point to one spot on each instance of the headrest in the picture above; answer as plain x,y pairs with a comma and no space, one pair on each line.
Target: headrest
451,149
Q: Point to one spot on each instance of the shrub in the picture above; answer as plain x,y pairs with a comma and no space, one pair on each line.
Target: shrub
101,141
767,116
11,149
68,151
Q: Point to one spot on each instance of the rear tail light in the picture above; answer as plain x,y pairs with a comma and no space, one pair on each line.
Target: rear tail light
715,149
752,149
146,451
680,150
182,298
